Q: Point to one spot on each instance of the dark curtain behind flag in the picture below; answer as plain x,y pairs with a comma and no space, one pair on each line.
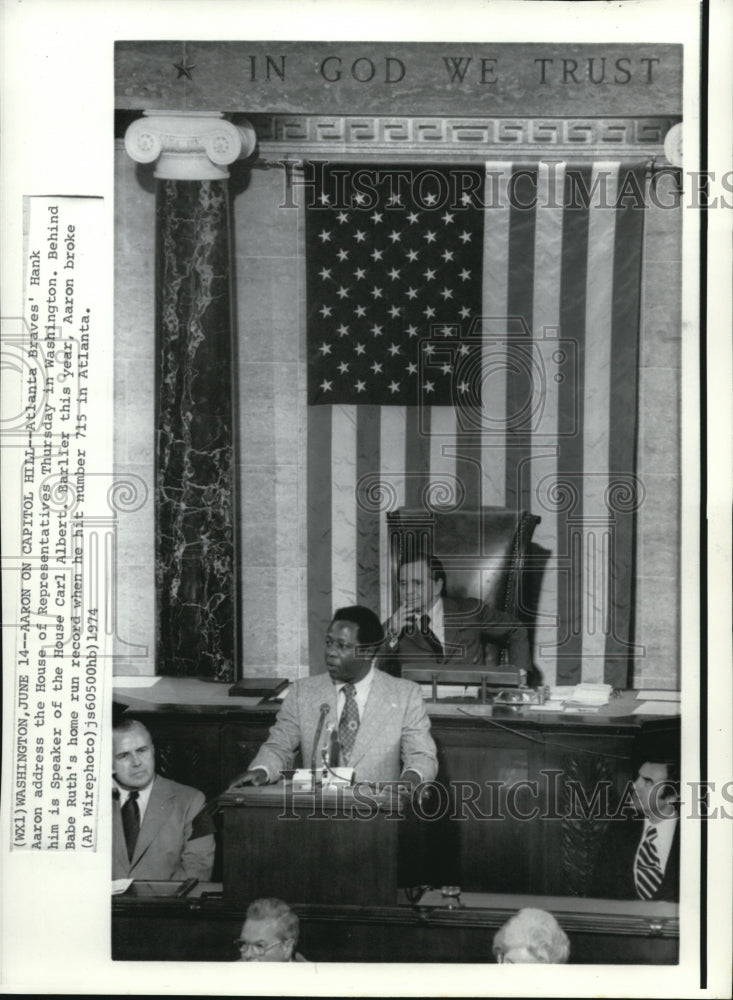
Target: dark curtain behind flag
473,340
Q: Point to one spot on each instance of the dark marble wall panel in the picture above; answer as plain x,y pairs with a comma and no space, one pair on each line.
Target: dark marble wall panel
194,421
134,419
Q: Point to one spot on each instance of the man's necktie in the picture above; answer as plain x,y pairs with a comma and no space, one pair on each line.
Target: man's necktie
648,867
430,637
348,723
131,821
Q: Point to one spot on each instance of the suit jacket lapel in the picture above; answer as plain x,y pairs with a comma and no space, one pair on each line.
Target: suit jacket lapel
118,837
452,645
375,713
319,694
155,815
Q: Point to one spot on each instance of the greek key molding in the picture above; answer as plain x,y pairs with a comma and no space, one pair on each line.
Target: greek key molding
310,136
189,145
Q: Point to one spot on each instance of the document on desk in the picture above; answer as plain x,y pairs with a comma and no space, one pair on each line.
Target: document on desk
654,695
657,708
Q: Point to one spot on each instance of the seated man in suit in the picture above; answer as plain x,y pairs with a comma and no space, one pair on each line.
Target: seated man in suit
269,933
382,725
429,628
640,856
155,833
531,936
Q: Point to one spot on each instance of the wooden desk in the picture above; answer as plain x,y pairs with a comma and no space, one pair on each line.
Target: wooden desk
542,763
309,847
203,927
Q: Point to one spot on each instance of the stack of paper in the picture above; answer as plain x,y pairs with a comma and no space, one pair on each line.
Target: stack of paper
590,695
579,697
561,692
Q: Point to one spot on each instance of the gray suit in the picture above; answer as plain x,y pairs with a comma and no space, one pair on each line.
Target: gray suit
164,849
393,736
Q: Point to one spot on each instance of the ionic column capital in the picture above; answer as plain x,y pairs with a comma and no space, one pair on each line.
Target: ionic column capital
189,145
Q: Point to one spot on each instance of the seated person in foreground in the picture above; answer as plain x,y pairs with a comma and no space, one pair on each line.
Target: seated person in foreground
269,933
429,628
531,936
640,855
155,833
383,728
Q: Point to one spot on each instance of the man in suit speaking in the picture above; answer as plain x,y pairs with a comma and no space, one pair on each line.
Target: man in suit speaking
640,856
155,832
383,728
432,629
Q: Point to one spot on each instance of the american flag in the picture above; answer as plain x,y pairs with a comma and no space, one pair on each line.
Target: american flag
549,312
394,284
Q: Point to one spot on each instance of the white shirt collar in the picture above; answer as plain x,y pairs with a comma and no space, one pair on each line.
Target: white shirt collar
359,686
143,795
361,691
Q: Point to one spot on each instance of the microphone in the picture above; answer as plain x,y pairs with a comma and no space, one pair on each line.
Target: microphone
324,710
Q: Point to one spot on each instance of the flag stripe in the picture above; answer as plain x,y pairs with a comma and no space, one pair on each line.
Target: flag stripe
417,454
623,421
367,519
469,456
519,304
495,305
393,452
319,532
596,403
442,455
343,506
573,290
545,401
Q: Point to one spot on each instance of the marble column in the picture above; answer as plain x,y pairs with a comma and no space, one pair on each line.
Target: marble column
195,502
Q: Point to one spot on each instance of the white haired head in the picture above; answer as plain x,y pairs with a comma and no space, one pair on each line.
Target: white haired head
531,936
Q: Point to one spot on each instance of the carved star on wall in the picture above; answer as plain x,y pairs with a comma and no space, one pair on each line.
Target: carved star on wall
184,70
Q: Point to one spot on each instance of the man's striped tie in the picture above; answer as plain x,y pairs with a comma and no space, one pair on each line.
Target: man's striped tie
648,867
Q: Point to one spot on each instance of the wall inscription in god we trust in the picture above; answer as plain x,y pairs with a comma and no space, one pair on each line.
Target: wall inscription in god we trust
402,78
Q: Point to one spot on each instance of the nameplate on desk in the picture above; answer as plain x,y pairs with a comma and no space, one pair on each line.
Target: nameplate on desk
492,678
469,709
258,687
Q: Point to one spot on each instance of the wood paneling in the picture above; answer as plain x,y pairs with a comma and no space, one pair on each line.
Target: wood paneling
204,930
500,819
